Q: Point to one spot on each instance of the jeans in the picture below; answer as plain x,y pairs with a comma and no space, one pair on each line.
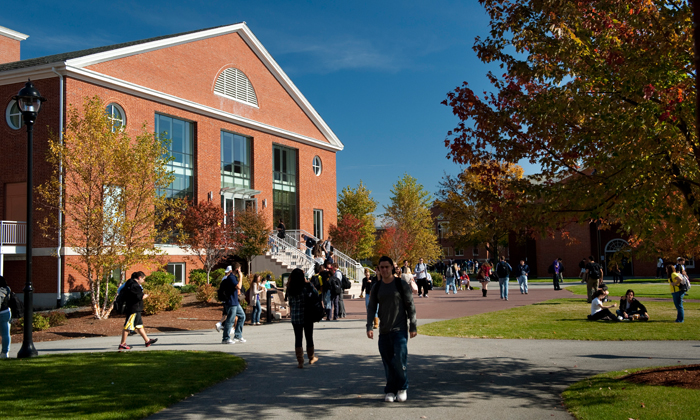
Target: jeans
503,285
522,282
257,310
678,301
335,301
231,313
5,318
555,280
306,329
450,284
394,351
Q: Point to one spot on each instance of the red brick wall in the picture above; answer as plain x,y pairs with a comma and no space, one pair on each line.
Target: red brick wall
9,50
571,252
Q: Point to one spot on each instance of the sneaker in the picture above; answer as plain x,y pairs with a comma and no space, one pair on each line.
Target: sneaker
506,298
240,340
218,327
420,296
151,342
402,396
620,318
4,356
425,296
389,397
124,347
229,341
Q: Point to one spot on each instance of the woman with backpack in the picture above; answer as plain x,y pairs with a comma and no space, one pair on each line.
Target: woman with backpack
299,295
5,317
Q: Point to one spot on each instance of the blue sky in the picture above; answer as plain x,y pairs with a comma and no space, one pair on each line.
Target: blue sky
376,72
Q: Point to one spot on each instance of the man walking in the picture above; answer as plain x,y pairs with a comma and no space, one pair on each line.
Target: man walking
555,267
593,275
397,321
231,288
503,270
422,278
133,301
521,272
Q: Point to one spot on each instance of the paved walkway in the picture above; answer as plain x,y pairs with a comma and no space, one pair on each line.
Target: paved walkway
449,377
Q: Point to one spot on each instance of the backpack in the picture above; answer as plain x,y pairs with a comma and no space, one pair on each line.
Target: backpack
550,270
120,302
316,281
594,272
313,308
346,284
336,287
221,293
502,270
16,306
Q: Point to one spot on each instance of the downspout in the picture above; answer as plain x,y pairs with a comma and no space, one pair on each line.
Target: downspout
59,299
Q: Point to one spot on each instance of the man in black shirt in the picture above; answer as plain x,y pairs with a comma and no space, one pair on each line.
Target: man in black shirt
594,275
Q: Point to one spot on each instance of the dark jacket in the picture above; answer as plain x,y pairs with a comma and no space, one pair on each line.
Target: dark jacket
521,270
367,285
228,284
133,296
635,306
4,298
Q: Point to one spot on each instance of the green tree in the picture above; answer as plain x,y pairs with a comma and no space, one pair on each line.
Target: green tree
110,200
409,212
601,96
358,203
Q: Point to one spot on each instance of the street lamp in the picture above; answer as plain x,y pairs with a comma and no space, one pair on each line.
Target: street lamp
29,102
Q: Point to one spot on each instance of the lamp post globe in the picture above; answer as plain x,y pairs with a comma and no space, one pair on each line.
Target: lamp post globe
29,101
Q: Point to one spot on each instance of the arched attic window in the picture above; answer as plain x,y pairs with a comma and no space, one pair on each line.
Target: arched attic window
234,84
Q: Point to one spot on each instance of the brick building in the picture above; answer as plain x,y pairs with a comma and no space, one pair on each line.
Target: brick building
441,224
241,132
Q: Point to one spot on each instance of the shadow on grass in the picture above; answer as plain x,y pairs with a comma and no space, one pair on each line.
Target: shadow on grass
339,383
546,304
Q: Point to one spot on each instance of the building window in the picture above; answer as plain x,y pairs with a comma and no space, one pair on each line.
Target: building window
284,182
475,252
318,223
180,134
14,116
459,252
317,165
116,116
112,213
234,84
442,229
447,251
177,270
235,160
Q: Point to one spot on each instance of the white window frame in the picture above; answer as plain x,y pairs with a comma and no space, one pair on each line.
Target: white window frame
320,225
9,114
317,165
114,120
459,252
232,83
180,282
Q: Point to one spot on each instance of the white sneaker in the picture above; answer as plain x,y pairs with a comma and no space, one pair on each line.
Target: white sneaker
402,395
389,397
218,327
229,341
619,318
240,340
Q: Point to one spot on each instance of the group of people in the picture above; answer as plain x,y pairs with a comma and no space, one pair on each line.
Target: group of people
331,283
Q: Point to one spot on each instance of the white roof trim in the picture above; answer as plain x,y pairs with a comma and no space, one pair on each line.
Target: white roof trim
12,34
154,95
247,35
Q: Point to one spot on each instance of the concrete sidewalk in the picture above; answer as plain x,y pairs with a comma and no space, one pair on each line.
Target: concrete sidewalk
450,378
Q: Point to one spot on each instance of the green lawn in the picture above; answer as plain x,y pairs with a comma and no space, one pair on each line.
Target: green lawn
607,397
640,290
113,385
565,319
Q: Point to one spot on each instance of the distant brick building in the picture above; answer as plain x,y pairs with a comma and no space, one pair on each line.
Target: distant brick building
449,250
241,132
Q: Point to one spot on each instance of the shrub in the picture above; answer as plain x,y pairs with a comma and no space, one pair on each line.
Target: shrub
438,280
216,276
39,323
206,293
197,277
188,288
157,278
78,302
57,318
162,297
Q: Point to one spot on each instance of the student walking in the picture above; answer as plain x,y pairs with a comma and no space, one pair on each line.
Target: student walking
521,272
5,317
299,293
231,288
397,321
421,273
484,277
256,289
450,278
133,300
503,270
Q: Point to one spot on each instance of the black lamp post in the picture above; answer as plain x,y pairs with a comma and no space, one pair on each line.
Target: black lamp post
29,102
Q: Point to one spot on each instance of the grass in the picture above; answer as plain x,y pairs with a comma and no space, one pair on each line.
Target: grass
607,280
640,290
606,397
128,385
565,319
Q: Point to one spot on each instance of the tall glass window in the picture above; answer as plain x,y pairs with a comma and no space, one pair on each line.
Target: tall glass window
318,223
181,147
235,160
284,186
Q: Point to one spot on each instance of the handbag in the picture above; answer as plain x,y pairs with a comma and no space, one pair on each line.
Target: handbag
313,308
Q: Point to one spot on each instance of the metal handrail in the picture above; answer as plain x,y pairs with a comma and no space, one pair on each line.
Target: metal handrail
287,251
13,233
353,269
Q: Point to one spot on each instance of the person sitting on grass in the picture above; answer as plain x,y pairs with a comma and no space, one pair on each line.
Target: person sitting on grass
598,311
604,288
631,308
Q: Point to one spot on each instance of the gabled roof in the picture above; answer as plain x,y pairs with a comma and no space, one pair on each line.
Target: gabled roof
75,63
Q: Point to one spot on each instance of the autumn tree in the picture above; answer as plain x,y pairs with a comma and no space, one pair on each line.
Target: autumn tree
348,235
357,203
205,234
251,234
601,97
409,212
109,198
483,210
394,243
